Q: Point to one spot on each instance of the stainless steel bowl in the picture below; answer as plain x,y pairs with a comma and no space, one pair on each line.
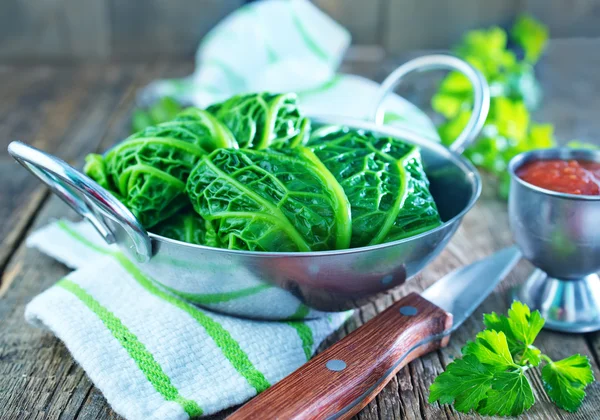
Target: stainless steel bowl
560,234
299,285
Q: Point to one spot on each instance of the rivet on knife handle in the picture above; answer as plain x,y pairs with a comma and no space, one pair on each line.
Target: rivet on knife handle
344,378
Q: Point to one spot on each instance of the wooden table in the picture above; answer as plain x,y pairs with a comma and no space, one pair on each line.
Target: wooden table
73,110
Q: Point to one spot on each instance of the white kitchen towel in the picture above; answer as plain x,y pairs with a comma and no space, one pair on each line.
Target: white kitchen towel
284,46
150,352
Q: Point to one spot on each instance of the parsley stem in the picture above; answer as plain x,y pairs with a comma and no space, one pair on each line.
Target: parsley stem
525,368
546,358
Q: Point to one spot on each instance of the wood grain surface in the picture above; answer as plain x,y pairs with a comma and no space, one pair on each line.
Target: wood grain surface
104,29
35,30
371,356
70,111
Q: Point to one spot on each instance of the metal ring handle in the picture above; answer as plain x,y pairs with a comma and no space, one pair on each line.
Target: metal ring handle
109,216
481,92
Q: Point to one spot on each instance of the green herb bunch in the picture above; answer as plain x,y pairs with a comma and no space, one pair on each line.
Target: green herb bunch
491,378
514,90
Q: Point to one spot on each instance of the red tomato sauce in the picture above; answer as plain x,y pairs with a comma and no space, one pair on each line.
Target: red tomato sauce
579,177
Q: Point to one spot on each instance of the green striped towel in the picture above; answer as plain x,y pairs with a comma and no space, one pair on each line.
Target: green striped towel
151,353
284,46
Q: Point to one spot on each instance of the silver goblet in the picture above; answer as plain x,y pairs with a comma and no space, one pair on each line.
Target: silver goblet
560,234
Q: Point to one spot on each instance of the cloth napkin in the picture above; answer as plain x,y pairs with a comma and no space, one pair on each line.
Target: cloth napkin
152,353
284,46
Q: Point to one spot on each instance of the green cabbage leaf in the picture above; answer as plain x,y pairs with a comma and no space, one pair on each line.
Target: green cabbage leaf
188,227
384,181
246,174
148,170
211,134
271,201
96,169
261,120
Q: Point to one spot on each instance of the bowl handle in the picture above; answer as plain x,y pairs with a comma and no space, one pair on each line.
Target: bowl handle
481,92
114,222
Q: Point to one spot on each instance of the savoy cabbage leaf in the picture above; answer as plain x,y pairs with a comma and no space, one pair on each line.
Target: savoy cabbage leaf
384,180
148,170
271,201
189,227
261,120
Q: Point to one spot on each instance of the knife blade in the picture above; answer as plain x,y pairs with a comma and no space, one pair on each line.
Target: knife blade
340,381
462,291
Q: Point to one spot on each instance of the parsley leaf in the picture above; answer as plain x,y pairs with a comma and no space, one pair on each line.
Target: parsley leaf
521,327
524,324
486,50
491,377
565,381
454,95
465,382
491,348
510,395
531,35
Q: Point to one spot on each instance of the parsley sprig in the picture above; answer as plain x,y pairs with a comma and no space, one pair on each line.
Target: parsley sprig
507,60
491,377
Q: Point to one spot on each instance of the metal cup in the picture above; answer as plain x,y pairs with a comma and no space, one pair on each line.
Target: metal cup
560,234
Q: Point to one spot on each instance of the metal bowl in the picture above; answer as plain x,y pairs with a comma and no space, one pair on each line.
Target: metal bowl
277,285
559,234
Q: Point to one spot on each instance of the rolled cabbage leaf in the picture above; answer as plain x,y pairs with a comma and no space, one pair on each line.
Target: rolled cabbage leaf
210,132
96,169
268,200
188,227
149,169
384,181
261,120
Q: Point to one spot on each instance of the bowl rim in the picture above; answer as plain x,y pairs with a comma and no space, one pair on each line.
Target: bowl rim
561,153
434,145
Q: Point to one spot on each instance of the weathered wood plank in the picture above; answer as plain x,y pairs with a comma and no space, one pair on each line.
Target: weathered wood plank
571,81
89,28
30,28
567,18
151,28
98,29
53,386
417,24
26,116
81,101
71,29
361,18
405,23
433,24
94,108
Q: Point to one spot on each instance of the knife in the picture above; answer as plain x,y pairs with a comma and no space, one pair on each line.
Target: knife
340,381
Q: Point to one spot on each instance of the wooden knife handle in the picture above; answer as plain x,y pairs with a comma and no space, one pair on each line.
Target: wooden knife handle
344,378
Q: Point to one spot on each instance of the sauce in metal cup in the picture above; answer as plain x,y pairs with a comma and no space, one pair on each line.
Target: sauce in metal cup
580,177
